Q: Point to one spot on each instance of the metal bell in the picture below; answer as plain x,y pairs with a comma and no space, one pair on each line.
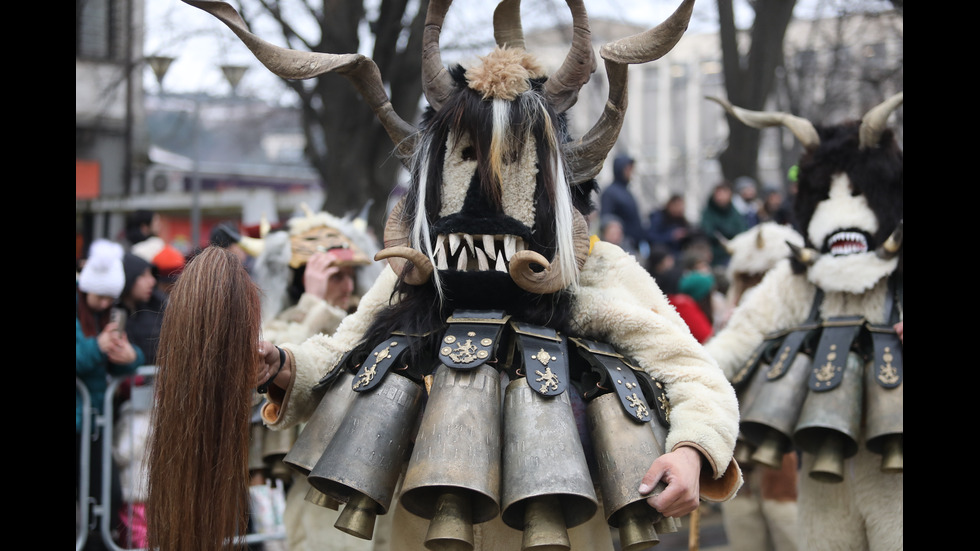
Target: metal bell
362,462
884,421
547,487
830,422
322,425
624,451
316,497
256,461
453,476
275,445
768,421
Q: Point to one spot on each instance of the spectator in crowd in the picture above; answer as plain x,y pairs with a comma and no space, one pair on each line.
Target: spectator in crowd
771,208
720,221
669,226
102,350
746,200
144,303
669,281
618,200
141,224
166,260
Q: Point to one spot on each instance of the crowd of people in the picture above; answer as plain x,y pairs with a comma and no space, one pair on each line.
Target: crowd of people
689,256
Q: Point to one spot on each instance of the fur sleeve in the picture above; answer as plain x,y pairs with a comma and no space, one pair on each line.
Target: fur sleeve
781,300
310,316
619,302
318,355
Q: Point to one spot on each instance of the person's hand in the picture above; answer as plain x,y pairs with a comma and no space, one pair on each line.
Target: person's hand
680,470
120,351
268,366
316,276
105,338
900,329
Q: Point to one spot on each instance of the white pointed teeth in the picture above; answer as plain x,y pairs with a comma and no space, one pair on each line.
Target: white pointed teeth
476,252
481,261
847,242
510,245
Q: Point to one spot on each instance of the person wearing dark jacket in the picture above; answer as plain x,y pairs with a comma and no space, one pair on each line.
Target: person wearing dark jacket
144,303
669,226
618,200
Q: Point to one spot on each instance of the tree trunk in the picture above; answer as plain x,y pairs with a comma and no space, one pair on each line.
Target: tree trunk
346,144
749,77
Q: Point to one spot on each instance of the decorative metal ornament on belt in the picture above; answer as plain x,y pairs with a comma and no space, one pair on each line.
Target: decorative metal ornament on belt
497,435
824,387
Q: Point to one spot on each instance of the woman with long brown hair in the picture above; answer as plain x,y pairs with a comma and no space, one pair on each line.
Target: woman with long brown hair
208,361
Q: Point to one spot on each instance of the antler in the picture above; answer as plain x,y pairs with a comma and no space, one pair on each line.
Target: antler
507,30
803,129
437,85
300,65
873,123
586,155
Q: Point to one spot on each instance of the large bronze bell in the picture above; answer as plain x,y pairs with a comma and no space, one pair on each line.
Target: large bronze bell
547,487
768,421
746,395
624,451
322,425
884,422
830,422
453,477
275,446
361,464
316,434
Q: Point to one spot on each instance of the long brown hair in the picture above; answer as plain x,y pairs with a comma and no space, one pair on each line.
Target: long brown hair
198,462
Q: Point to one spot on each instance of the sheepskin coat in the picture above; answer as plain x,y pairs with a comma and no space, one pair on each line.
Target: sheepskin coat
616,301
865,510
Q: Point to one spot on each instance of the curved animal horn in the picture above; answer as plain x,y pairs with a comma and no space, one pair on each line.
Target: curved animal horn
561,88
873,123
299,65
399,253
533,273
803,129
889,249
804,255
760,241
586,155
724,241
436,82
507,30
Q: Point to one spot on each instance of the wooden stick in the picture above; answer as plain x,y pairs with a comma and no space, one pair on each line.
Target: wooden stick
694,532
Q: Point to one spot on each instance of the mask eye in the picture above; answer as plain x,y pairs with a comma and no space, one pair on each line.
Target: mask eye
469,153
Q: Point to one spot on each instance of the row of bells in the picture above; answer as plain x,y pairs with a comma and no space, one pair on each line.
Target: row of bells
778,415
475,456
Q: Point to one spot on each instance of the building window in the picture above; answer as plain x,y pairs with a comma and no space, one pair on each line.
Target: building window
100,29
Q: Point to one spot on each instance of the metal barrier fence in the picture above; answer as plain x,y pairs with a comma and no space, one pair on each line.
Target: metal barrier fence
89,510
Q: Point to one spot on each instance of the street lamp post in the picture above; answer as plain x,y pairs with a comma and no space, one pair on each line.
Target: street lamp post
233,74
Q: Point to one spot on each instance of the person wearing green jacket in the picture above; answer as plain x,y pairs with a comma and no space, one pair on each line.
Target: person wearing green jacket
720,220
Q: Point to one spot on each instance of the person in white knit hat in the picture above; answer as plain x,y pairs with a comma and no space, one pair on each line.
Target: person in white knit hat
101,350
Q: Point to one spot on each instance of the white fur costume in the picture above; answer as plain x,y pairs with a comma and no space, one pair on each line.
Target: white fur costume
763,515
865,510
617,301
